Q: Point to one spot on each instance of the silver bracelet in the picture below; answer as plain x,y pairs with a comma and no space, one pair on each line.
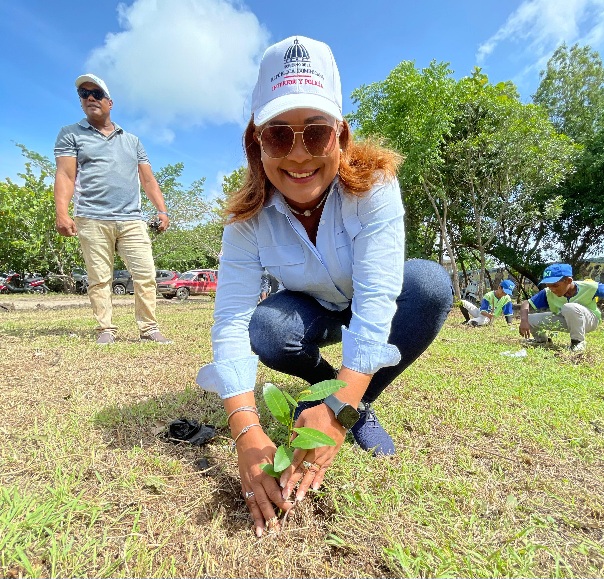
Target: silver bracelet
244,430
163,213
244,409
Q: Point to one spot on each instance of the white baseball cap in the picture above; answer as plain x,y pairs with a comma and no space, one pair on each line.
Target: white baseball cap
93,78
297,72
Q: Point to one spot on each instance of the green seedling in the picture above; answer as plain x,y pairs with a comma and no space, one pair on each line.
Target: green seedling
283,406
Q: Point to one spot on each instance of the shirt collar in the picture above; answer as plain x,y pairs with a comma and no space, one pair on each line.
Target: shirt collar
84,123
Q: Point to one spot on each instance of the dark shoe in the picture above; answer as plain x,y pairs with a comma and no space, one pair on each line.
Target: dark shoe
105,338
156,337
465,313
369,433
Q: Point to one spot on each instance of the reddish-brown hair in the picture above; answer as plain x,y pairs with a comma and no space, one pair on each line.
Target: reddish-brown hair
362,164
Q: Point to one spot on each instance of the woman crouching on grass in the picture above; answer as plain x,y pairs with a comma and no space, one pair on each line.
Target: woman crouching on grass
324,215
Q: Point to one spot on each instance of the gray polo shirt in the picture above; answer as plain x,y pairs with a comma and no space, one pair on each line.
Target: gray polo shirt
107,184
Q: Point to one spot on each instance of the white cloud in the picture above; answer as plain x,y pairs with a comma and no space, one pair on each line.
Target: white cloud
179,64
538,27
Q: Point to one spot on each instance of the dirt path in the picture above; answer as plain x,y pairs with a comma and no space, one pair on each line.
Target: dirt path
36,302
10,303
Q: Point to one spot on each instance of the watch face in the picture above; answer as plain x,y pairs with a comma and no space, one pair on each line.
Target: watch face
348,416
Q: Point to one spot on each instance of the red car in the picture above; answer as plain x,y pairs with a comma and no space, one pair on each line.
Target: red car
194,282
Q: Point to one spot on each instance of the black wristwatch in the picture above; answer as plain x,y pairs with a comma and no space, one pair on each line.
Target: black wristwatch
345,414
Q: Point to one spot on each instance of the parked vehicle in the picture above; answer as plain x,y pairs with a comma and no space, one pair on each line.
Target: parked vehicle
193,282
123,283
80,278
14,283
470,292
82,286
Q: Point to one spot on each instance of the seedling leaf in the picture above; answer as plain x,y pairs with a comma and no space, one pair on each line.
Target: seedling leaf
290,399
321,390
277,403
310,438
269,470
283,458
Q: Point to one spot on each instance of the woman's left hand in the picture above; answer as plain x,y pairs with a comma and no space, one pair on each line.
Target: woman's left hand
308,466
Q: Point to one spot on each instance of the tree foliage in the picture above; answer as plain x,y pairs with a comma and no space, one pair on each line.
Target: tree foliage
30,242
571,89
475,156
500,156
28,239
572,93
413,111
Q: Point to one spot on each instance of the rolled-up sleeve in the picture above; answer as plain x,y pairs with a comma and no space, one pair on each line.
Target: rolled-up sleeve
65,144
229,377
366,356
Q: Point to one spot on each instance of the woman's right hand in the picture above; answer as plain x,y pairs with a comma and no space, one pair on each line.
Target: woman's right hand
261,491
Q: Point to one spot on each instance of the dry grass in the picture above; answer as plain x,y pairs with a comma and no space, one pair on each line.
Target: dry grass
500,468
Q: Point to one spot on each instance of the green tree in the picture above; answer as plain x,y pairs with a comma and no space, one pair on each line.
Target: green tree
474,155
500,155
414,110
28,239
571,89
572,92
184,247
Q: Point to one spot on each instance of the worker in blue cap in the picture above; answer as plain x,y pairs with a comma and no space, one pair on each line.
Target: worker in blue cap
571,304
493,304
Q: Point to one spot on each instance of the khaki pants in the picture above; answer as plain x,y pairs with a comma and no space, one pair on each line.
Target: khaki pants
99,241
573,318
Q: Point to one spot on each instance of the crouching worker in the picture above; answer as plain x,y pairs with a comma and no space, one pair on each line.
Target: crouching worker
493,304
571,304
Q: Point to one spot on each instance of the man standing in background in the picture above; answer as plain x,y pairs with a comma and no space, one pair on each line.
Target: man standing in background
101,167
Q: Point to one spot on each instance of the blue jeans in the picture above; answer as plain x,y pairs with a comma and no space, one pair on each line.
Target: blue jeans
288,329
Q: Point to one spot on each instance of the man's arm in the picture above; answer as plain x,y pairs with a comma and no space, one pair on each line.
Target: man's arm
153,192
64,186
486,308
524,328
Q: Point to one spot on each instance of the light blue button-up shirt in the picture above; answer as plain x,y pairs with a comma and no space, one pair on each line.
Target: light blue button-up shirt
358,257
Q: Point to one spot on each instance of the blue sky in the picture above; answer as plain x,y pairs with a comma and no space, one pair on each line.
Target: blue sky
181,71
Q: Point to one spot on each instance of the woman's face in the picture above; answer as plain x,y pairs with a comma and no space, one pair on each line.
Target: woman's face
301,177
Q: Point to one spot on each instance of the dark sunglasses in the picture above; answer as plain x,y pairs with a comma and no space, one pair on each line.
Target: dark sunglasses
97,93
277,141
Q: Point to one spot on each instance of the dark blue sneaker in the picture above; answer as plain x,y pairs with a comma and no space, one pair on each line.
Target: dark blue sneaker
369,433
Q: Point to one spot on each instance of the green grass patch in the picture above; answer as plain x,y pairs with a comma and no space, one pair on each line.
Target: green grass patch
498,470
